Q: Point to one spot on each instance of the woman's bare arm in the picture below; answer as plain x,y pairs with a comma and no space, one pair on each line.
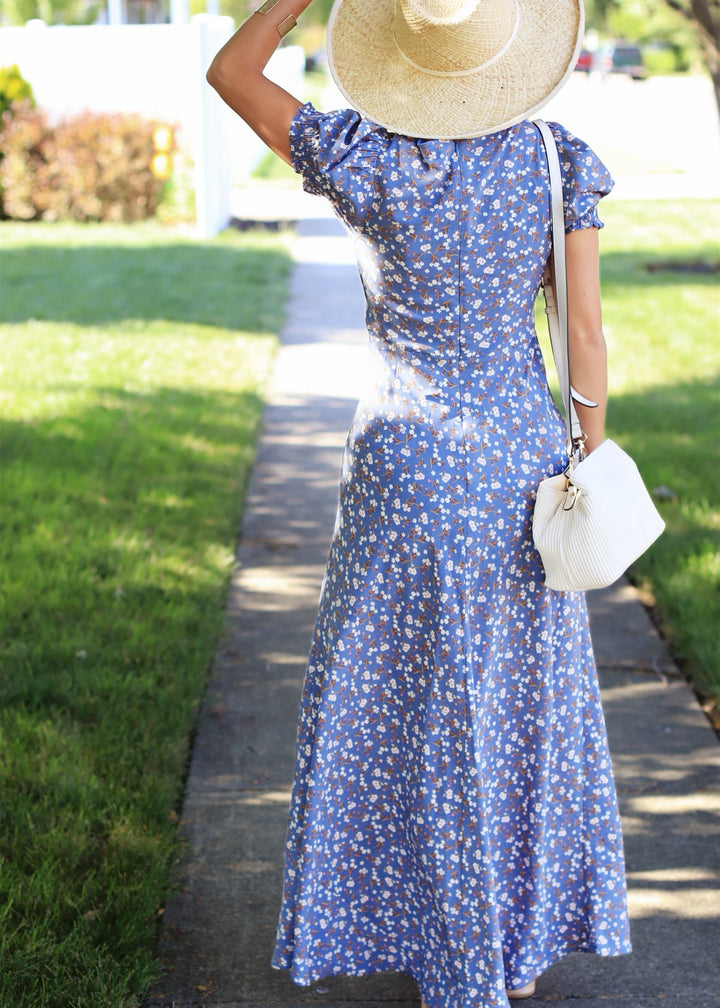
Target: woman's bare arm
237,75
588,354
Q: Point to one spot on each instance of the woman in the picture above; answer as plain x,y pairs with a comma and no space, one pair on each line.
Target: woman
454,814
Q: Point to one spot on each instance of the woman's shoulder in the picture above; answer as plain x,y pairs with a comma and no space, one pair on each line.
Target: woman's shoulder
337,153
570,144
343,125
581,166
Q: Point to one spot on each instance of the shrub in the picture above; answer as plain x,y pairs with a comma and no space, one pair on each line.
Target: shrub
92,167
14,89
26,165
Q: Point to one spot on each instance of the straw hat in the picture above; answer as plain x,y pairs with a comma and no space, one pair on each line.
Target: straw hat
448,69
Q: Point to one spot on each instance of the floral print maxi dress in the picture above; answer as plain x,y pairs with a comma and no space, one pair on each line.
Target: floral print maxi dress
454,814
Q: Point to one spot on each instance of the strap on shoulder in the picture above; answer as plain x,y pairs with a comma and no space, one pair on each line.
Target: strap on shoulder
557,309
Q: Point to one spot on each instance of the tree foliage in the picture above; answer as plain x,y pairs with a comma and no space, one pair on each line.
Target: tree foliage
691,26
14,91
642,21
704,16
69,12
317,13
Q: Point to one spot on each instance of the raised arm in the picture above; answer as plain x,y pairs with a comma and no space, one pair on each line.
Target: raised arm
237,75
588,355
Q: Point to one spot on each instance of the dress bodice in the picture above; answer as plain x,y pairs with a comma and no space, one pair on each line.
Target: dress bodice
451,236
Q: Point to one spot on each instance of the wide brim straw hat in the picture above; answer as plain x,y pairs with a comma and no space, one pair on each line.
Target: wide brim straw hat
449,69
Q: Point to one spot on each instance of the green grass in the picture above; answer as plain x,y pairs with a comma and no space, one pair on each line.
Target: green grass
133,364
663,332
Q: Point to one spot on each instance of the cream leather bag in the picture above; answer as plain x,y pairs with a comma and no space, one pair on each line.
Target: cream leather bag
593,520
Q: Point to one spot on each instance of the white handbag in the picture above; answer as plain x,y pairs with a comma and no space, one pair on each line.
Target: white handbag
593,520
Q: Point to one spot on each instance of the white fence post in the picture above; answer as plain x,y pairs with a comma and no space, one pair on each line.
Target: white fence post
211,147
179,13
115,12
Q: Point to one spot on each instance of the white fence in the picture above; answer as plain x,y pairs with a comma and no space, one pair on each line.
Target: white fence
157,71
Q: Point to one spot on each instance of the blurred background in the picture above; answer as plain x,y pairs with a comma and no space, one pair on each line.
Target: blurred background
645,94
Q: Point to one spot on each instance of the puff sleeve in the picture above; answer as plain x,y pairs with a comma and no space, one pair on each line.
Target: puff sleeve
337,153
585,180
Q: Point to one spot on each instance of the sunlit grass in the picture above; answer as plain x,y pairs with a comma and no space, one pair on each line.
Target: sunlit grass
133,365
663,328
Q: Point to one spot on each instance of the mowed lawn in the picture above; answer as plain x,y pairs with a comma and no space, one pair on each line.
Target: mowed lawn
661,288
132,372
133,364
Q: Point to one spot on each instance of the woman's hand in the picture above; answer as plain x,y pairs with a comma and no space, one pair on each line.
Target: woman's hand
237,75
588,354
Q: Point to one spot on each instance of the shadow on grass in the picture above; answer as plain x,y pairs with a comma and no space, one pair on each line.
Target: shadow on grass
98,284
650,268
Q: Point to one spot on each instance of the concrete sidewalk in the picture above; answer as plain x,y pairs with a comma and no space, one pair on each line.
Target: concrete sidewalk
219,927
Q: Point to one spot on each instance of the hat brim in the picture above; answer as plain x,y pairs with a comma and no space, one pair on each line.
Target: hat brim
372,75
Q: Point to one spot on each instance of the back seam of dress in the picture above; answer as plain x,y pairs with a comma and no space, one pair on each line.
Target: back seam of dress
471,754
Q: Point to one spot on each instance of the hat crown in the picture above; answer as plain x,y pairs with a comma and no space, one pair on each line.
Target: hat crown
450,69
453,36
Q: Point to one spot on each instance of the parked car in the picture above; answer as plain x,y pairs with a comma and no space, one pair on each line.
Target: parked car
620,58
584,61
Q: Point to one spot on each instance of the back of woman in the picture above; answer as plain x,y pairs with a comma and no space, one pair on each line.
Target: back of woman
452,236
453,814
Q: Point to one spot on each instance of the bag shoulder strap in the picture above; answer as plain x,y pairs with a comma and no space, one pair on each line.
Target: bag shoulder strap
557,310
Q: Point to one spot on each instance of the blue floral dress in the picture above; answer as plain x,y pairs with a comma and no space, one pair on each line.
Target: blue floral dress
454,814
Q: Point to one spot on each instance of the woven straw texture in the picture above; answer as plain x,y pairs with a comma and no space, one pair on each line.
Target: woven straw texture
452,36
